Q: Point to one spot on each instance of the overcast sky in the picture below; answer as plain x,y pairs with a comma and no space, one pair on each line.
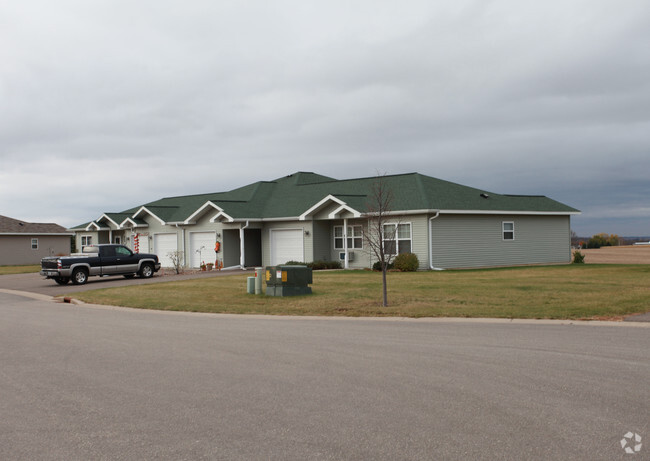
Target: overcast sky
105,105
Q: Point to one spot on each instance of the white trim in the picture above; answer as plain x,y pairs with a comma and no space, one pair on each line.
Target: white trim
224,215
506,212
396,237
133,224
344,236
144,208
322,202
334,214
503,231
92,224
209,203
108,218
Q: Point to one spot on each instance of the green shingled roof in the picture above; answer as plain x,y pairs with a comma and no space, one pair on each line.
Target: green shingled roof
293,195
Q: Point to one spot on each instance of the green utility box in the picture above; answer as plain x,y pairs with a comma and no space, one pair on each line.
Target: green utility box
288,280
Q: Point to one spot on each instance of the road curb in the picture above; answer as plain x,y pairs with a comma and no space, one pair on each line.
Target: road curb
27,294
77,302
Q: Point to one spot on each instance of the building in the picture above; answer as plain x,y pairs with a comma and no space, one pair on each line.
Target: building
24,243
308,217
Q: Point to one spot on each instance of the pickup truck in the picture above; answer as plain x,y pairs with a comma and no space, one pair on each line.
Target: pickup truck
99,260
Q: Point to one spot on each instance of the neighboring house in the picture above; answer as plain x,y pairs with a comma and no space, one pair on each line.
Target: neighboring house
308,217
26,243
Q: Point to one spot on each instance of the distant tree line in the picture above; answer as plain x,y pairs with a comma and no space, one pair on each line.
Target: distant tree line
603,240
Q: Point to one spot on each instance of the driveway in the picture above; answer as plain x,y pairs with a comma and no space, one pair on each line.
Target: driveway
91,382
34,283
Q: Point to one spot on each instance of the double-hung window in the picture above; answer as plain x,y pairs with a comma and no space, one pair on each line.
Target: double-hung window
34,244
397,238
508,228
86,240
354,236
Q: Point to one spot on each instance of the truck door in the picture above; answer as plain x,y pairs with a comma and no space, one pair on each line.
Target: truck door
107,260
125,261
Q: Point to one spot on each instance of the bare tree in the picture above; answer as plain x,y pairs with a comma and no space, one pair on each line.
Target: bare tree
176,258
380,235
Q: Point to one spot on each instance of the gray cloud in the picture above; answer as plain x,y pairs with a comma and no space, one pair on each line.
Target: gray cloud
107,105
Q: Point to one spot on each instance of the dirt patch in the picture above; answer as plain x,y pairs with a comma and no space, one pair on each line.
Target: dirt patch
632,254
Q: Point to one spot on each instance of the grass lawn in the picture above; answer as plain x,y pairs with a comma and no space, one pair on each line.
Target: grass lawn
7,270
553,292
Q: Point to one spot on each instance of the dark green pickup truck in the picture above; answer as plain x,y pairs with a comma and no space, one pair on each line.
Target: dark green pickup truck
99,260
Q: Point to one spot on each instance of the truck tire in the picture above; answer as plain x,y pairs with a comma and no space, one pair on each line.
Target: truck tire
146,271
62,280
79,276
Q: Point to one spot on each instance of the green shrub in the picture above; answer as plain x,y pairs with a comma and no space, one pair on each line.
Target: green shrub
578,258
316,265
294,263
407,262
377,266
323,265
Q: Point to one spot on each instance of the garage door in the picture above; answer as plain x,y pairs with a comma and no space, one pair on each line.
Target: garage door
286,245
163,244
202,248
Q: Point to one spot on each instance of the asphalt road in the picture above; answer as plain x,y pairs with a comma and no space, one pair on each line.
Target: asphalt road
89,382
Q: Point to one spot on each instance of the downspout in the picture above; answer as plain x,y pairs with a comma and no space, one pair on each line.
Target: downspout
431,244
241,246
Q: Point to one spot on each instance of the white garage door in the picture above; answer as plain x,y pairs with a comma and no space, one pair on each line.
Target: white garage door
202,248
163,244
286,245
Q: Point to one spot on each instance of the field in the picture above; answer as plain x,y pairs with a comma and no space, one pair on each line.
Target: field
577,291
632,254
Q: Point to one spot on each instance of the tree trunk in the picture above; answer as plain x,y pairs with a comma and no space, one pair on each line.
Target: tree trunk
385,289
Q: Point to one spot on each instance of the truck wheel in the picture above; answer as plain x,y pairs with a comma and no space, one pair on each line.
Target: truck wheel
79,276
61,280
146,271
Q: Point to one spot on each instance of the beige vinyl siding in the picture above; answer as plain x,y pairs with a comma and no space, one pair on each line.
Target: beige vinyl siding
463,241
420,236
17,249
322,237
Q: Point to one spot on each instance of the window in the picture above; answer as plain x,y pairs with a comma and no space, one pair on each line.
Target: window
508,230
121,251
86,240
34,244
355,237
397,238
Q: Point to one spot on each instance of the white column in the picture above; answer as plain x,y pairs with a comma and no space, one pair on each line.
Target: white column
345,242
